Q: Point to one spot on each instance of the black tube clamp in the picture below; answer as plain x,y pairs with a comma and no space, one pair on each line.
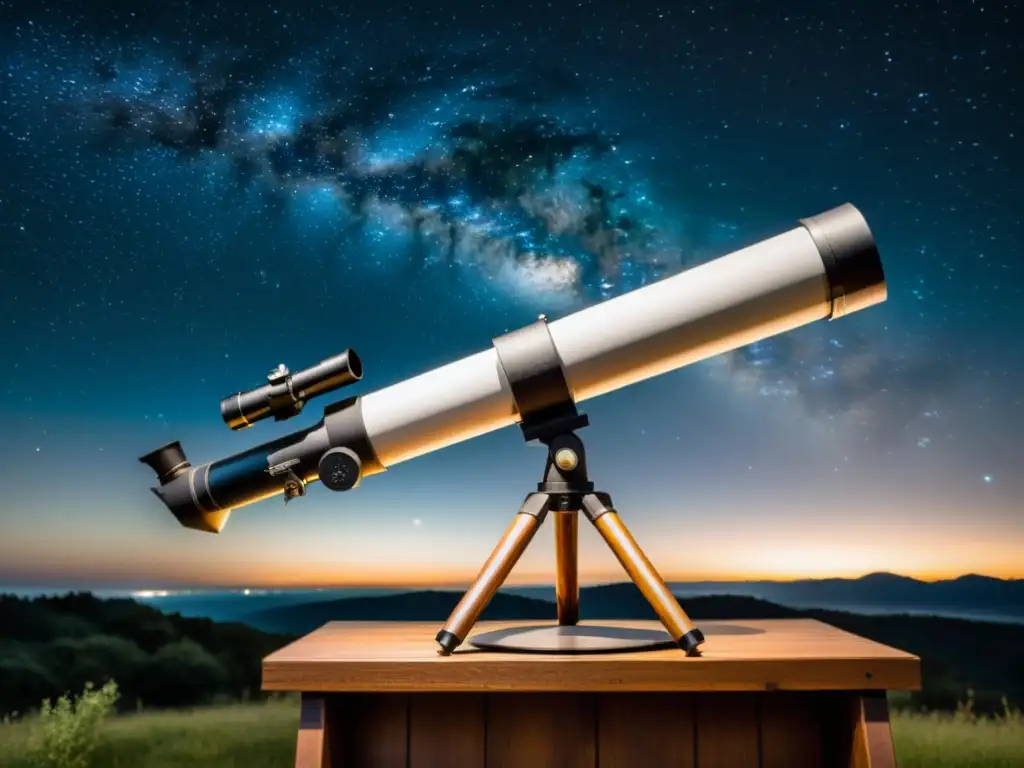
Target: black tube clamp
534,371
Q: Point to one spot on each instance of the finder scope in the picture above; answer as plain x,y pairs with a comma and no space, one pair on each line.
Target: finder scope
285,393
825,268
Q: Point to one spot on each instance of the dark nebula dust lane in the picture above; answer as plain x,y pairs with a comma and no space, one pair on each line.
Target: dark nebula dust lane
473,165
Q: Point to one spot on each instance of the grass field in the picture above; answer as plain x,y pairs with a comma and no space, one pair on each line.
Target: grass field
263,735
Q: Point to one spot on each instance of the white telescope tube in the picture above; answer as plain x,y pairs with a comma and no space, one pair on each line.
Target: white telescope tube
825,268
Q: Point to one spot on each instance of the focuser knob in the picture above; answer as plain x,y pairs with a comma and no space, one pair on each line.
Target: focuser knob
339,469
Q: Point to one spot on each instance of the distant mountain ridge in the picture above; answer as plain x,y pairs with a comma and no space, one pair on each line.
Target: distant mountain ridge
761,599
973,597
883,588
612,601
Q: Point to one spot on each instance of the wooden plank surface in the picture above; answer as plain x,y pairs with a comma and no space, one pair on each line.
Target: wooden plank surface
790,730
373,730
553,730
727,730
755,655
638,730
621,730
447,730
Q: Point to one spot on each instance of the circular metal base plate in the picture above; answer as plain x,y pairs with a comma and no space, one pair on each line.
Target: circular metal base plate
546,638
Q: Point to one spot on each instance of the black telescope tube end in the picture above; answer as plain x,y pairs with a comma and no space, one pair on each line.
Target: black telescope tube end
168,461
241,409
328,375
853,266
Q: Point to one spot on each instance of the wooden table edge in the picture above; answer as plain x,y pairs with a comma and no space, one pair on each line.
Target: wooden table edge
409,677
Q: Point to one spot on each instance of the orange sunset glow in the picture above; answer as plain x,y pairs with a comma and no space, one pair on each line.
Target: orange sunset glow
419,556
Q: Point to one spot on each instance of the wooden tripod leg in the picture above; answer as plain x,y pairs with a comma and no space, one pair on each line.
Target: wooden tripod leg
643,573
494,572
567,585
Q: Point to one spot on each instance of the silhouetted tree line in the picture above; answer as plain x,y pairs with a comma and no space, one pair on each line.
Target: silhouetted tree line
50,645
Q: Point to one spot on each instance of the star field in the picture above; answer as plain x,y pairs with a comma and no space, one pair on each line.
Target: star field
196,192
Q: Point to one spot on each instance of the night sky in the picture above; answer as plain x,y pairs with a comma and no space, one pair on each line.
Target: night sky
192,193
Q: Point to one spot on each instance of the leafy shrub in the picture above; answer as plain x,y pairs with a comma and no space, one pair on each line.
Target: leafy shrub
67,730
180,674
25,679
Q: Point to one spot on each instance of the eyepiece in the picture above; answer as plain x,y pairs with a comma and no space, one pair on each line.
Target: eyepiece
167,461
285,393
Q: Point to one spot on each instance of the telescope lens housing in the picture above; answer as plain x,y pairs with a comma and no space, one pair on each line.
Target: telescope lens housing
285,393
852,264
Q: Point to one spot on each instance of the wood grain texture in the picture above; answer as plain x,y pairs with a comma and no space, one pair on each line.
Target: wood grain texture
567,582
623,730
643,573
373,730
764,655
790,730
727,730
872,733
554,730
638,730
447,730
313,747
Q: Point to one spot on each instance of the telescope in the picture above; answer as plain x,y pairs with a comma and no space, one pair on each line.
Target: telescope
825,267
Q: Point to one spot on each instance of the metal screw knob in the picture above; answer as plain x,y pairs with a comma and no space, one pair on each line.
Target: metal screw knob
566,459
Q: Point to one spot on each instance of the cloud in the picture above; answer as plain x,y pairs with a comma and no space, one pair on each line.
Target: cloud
847,377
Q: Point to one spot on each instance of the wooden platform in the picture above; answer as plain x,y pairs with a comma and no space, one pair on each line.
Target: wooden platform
785,693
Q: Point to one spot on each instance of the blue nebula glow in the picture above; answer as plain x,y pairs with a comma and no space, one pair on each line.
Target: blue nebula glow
274,115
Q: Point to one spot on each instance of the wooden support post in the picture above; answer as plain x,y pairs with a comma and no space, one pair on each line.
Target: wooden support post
313,749
872,732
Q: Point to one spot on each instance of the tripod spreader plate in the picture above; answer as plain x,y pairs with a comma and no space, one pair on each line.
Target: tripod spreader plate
546,638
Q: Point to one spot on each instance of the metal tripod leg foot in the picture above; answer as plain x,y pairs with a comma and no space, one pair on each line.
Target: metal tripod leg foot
494,572
642,572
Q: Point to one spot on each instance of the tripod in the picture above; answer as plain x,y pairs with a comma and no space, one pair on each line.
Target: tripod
565,491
